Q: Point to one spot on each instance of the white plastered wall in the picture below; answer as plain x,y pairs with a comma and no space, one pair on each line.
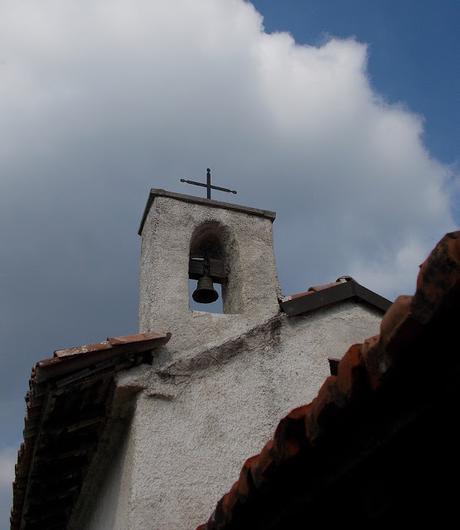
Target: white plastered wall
164,272
199,417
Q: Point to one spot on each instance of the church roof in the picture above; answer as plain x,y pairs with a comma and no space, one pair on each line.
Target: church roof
379,435
343,289
211,203
68,404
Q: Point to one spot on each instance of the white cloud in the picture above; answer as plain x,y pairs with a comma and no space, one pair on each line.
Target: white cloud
101,100
101,97
391,269
8,457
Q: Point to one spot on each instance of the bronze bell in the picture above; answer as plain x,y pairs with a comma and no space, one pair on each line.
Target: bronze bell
205,292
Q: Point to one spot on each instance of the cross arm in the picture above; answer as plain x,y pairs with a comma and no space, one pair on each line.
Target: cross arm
194,182
203,185
222,189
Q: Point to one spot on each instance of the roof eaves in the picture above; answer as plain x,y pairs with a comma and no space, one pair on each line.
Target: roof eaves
78,380
332,294
69,360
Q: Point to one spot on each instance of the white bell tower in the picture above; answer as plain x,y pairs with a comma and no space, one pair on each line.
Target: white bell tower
186,237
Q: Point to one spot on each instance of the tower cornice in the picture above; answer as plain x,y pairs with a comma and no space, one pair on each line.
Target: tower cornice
157,192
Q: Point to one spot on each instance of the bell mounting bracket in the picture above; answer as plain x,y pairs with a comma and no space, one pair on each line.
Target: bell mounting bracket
214,268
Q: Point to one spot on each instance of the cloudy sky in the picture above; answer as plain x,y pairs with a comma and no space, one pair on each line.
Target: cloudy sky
342,118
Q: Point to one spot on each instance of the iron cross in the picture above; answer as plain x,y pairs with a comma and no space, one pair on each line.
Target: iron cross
208,185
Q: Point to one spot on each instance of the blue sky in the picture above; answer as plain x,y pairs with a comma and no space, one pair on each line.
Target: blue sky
414,52
352,139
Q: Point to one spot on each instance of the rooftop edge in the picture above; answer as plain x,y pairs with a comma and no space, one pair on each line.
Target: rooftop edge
158,192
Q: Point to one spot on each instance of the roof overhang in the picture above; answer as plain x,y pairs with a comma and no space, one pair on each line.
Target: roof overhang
68,405
341,291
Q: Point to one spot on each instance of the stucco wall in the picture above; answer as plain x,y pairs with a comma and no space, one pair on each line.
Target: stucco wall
108,494
252,288
201,416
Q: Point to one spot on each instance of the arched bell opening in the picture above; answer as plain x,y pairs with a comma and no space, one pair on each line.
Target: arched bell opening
208,268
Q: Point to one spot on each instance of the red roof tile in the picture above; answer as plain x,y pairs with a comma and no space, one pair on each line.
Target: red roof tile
317,288
375,370
67,405
319,296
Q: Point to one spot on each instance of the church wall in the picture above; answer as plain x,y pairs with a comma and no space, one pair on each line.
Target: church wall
199,418
107,505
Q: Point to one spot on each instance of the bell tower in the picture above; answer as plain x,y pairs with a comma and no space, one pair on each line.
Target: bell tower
186,237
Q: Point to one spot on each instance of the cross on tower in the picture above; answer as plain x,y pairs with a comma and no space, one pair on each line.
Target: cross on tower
208,185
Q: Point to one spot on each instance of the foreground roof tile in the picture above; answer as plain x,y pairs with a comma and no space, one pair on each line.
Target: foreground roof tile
361,373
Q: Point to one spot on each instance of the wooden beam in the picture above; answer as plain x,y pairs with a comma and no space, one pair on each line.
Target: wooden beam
216,270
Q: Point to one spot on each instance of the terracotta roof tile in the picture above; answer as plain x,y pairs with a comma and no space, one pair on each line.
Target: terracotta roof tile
85,348
317,288
68,399
319,296
362,372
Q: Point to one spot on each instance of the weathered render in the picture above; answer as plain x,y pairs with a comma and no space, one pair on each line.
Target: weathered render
198,418
172,225
216,391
